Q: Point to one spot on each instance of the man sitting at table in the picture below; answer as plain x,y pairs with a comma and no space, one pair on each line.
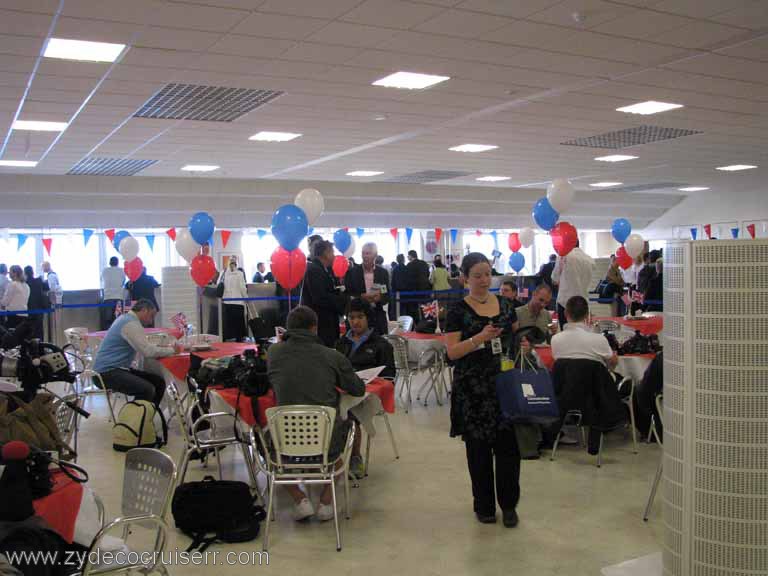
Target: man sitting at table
578,341
535,315
117,351
365,349
303,371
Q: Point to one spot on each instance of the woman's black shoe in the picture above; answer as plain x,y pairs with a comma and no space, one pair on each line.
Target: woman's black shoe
510,518
486,518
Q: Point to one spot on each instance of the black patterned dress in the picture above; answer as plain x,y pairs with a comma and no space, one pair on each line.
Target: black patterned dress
475,412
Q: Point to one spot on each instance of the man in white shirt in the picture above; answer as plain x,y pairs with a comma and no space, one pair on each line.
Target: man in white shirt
573,275
112,286
54,287
578,341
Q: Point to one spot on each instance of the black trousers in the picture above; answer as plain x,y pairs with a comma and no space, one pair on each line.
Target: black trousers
137,383
234,322
561,316
480,459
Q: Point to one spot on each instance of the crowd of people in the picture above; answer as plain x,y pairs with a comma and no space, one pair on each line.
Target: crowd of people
642,282
24,296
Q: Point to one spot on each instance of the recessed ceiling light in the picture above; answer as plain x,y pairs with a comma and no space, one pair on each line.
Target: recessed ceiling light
693,189
274,136
200,168
649,107
493,178
410,80
380,117
615,158
18,163
473,148
736,167
364,173
39,126
606,184
82,50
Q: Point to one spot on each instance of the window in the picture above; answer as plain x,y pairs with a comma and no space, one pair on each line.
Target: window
257,250
157,259
76,264
9,255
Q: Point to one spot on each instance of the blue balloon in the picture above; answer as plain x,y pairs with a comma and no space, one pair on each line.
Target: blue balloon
517,261
342,239
201,227
118,237
544,215
621,230
289,226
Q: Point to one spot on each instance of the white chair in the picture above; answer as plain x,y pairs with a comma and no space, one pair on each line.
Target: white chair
301,438
393,327
148,481
660,468
403,370
67,421
80,352
383,415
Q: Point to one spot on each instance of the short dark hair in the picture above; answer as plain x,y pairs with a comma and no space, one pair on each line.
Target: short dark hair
29,272
301,318
359,305
113,261
400,258
577,308
510,283
654,255
438,264
144,304
320,246
471,260
413,254
552,257
543,286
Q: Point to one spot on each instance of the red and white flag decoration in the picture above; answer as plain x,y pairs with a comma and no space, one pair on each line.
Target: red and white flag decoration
225,234
523,292
171,233
179,320
751,230
438,234
47,243
708,230
432,310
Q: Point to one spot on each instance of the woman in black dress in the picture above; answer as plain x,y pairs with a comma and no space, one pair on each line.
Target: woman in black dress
478,328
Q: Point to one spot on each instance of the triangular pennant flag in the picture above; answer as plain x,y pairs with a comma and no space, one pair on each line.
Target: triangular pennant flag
110,234
495,240
261,233
408,234
87,233
454,235
438,234
151,241
171,233
694,233
360,232
751,230
479,233
393,231
735,233
708,230
225,234
47,243
21,238
346,228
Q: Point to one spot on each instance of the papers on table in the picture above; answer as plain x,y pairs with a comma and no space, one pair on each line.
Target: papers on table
368,375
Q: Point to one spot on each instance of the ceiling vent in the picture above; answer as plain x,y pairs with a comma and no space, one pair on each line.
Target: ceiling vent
648,187
631,137
426,176
205,103
93,166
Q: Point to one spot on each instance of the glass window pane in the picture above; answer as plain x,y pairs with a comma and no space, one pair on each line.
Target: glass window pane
9,255
76,264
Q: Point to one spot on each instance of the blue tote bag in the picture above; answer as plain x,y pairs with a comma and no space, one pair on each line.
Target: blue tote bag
527,395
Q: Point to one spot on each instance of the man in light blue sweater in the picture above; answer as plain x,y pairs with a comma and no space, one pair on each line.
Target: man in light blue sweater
124,339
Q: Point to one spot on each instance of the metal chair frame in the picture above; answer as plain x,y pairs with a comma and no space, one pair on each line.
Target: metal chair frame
576,417
384,416
67,420
660,468
629,403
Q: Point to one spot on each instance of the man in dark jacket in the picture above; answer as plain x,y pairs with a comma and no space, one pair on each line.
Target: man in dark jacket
144,289
303,371
416,280
36,300
654,292
370,283
645,273
398,283
545,272
320,293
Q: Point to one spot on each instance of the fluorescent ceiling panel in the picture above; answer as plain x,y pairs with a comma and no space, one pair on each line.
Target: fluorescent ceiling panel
410,80
82,50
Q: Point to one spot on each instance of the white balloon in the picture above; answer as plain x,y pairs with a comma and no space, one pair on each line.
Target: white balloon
129,248
311,201
185,244
351,250
634,245
526,236
560,194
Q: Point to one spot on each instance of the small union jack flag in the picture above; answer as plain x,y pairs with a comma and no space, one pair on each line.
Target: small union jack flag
179,320
430,310
638,297
523,292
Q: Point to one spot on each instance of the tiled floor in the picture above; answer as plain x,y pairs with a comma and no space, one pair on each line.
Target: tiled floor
414,515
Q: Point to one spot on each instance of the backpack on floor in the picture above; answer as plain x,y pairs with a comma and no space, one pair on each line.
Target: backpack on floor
223,508
135,427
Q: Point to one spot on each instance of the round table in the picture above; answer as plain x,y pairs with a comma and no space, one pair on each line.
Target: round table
70,509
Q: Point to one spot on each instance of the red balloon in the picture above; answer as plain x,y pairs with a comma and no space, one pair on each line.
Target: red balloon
514,242
202,269
624,260
564,238
340,266
133,269
288,267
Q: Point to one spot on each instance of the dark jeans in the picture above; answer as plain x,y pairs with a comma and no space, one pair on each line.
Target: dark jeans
561,316
234,322
141,385
480,457
107,313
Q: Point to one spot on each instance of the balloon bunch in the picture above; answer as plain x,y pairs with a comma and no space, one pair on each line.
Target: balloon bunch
518,240
128,247
344,243
189,243
546,213
632,245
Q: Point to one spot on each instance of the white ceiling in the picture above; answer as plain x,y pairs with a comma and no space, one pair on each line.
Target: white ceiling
525,76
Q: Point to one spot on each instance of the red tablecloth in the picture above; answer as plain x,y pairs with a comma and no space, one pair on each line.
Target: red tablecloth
178,364
175,332
647,326
61,507
421,336
545,355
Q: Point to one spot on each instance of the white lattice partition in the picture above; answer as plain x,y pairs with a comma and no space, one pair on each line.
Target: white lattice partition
716,408
178,294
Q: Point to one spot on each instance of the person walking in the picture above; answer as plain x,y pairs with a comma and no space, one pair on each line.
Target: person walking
573,276
234,312
112,291
36,300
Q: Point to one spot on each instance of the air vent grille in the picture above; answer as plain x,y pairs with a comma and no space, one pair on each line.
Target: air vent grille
630,137
204,103
93,166
426,176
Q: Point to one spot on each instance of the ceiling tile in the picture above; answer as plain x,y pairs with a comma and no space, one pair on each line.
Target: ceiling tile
518,9
696,8
331,9
279,26
391,13
20,45
463,23
24,23
159,58
700,35
642,24
756,49
593,13
347,34
533,34
556,62
313,52
41,6
724,67
752,15
235,4
96,30
241,45
176,39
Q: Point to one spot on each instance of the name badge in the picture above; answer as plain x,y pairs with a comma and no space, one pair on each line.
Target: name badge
496,345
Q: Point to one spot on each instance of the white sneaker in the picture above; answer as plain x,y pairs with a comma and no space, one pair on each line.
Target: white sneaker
303,510
325,512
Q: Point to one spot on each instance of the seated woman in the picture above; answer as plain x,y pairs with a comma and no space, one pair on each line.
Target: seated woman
365,349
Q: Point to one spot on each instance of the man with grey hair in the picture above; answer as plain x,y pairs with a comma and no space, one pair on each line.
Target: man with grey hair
370,283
